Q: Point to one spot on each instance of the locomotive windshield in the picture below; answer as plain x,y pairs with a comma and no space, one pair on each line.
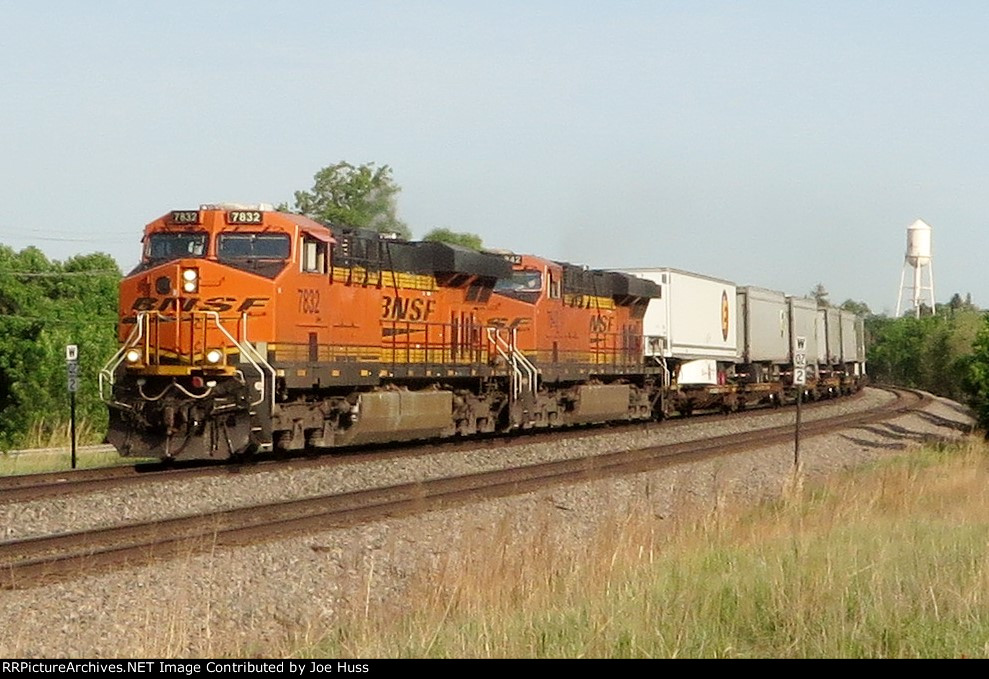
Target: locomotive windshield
523,285
164,247
252,246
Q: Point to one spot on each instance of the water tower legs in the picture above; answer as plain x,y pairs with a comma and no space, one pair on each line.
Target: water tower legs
921,290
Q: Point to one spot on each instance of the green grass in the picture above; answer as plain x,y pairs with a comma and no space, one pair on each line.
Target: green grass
44,436
37,462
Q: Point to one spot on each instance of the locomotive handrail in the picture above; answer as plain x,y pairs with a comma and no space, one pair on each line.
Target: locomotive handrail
246,350
514,358
526,363
516,377
107,371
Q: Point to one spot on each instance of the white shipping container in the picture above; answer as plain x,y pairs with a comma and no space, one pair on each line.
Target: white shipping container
763,326
833,325
821,337
860,342
806,322
694,317
849,337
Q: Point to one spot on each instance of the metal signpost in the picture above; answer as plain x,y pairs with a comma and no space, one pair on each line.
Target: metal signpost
799,380
72,363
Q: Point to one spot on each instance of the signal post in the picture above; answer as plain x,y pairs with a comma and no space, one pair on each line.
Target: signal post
799,381
72,366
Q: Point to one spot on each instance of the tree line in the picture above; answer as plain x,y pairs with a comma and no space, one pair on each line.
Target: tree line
46,305
944,351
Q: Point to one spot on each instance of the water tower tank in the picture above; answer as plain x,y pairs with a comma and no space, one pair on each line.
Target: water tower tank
919,243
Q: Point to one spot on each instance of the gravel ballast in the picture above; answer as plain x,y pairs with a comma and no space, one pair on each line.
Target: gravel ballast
225,601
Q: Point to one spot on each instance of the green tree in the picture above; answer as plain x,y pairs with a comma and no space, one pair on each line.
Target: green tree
820,293
976,382
362,196
45,305
467,240
957,303
930,352
857,308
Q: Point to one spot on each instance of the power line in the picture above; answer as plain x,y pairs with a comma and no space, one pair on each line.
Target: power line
61,321
57,274
55,239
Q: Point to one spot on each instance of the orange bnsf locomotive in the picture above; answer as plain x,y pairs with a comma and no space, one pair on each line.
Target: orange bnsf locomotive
246,329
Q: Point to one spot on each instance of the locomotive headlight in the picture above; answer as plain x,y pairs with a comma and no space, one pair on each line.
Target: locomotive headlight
133,355
214,356
190,280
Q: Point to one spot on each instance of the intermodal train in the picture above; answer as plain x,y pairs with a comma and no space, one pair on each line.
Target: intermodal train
245,329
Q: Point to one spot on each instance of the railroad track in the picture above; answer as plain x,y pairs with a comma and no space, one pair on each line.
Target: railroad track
33,561
60,484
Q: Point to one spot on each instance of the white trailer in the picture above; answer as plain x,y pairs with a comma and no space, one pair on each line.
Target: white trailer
694,317
849,338
821,338
691,331
763,332
860,346
852,351
832,322
807,321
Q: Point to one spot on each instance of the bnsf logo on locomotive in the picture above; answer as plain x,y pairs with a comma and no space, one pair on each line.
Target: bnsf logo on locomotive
196,304
398,309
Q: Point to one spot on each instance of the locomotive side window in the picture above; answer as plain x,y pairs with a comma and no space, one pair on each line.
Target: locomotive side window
252,246
313,259
554,286
521,281
164,247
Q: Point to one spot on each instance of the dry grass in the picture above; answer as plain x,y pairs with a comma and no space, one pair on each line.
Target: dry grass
888,562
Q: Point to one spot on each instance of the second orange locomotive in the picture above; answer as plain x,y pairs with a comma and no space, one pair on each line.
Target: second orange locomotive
244,328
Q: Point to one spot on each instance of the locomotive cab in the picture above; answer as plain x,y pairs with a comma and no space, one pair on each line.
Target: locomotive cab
192,377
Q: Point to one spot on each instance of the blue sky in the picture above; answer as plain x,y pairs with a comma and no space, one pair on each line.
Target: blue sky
778,144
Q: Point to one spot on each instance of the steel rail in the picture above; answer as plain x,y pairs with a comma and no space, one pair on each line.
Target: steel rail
33,561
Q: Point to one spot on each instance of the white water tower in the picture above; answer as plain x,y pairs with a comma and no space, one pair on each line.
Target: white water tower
919,259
